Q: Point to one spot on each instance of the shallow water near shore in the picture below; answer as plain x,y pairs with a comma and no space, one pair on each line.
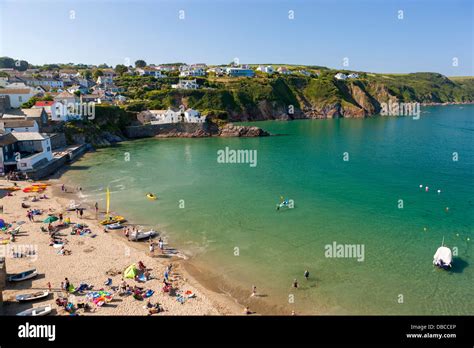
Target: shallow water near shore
223,214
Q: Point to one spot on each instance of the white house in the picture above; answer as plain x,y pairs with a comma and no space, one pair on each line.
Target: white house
266,69
216,70
18,96
150,72
193,72
340,76
33,148
353,76
171,115
284,70
15,125
193,116
186,84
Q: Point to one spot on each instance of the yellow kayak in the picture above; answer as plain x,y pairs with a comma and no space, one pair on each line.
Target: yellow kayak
113,220
13,188
151,196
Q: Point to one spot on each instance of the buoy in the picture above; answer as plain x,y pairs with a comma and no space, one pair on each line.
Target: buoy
421,185
457,234
439,191
424,228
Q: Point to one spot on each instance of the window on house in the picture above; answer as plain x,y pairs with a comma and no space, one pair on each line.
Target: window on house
20,99
23,164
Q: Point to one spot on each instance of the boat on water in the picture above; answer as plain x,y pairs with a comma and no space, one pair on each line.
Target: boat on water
23,276
151,196
443,257
114,226
36,311
284,203
32,296
142,235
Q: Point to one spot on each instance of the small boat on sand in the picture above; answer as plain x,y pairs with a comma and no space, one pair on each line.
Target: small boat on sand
142,235
443,257
36,311
114,226
23,276
32,296
73,206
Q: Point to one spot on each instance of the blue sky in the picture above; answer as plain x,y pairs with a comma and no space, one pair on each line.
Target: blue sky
367,32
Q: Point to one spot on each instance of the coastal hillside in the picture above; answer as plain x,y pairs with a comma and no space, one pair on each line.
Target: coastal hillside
285,96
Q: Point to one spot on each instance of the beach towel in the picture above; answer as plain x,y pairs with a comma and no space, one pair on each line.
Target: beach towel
108,281
149,293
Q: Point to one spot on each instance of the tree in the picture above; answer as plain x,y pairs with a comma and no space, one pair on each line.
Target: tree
21,65
86,74
103,66
140,63
7,63
97,73
121,69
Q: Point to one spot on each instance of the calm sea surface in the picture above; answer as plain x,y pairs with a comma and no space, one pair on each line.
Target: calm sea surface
213,211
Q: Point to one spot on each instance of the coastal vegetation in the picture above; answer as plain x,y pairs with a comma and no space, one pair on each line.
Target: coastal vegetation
294,96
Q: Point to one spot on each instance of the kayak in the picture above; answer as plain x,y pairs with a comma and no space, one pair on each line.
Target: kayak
13,188
37,311
32,297
151,196
23,276
113,220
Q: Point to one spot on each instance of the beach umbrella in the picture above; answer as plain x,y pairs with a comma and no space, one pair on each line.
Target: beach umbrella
50,219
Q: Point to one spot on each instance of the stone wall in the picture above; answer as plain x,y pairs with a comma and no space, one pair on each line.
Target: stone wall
58,140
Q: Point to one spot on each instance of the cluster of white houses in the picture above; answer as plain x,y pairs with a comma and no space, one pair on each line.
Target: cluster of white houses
170,116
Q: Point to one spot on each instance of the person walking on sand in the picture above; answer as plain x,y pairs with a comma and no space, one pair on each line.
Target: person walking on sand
254,291
62,187
81,212
306,274
61,218
160,243
77,212
96,206
49,286
152,247
295,284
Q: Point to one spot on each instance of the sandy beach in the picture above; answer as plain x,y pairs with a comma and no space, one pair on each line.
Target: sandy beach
93,260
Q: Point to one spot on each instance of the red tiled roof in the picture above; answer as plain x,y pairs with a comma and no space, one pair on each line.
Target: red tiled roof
44,103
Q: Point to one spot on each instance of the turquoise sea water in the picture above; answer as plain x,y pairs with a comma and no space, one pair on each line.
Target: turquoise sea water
228,206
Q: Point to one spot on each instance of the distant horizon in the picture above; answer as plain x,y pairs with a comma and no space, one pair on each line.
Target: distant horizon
400,36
